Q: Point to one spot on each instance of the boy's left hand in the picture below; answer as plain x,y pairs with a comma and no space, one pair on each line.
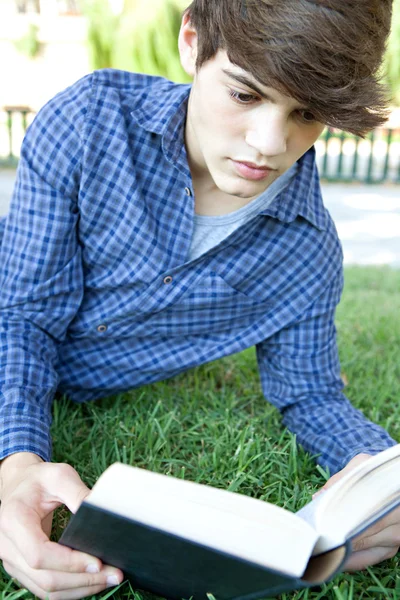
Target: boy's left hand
378,542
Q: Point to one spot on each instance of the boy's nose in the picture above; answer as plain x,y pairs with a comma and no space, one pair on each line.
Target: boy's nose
269,137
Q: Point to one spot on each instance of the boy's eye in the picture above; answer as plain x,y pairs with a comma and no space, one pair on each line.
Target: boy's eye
242,98
307,116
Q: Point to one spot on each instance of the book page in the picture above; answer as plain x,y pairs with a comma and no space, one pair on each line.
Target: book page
308,512
357,500
239,525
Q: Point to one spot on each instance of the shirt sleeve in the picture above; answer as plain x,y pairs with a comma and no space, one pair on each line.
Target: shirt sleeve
41,278
300,374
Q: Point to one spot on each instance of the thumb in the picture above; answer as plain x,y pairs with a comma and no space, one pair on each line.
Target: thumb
71,490
327,485
320,492
357,460
82,492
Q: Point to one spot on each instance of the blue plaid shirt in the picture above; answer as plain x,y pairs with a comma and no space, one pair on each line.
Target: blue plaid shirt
98,294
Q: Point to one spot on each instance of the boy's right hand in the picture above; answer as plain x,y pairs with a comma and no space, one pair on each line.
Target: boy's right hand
30,491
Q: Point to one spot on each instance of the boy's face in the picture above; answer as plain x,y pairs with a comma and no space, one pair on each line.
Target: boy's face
240,135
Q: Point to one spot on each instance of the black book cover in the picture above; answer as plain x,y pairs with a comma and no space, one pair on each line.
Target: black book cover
168,565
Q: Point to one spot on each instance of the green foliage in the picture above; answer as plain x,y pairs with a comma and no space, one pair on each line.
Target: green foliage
147,39
29,44
392,63
102,30
143,38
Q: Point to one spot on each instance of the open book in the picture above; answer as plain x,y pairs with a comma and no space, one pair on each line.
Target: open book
180,539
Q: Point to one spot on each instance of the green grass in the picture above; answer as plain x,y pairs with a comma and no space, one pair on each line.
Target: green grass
213,425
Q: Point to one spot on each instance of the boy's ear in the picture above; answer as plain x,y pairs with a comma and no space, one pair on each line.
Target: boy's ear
187,44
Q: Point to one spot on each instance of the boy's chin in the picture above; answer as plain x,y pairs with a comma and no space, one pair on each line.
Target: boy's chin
240,188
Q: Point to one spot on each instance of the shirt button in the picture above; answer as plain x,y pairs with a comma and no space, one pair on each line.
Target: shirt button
188,191
102,328
168,279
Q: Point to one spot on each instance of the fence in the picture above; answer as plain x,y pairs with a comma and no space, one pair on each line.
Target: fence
345,157
14,121
341,156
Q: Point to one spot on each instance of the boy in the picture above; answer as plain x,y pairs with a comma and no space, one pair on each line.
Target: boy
155,227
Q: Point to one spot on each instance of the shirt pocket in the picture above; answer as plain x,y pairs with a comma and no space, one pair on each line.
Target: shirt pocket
210,305
199,304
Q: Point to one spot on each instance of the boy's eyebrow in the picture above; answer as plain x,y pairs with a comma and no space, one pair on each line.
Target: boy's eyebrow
247,82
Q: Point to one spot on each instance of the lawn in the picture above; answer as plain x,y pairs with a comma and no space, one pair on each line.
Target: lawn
213,425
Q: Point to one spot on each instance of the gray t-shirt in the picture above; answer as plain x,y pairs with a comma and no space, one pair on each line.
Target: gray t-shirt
208,232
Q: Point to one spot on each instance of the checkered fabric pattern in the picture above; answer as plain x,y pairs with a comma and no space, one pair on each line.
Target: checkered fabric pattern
98,295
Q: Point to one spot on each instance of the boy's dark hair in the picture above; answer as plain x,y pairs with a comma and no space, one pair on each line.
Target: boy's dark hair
326,54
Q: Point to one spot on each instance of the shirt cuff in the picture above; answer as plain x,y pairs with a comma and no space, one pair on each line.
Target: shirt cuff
26,434
334,431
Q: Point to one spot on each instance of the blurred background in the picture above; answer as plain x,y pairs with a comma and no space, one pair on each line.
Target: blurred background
46,45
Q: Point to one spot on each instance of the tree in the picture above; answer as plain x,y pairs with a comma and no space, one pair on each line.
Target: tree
392,63
141,38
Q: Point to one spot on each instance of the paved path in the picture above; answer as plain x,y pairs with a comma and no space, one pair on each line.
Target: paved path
7,177
367,218
368,221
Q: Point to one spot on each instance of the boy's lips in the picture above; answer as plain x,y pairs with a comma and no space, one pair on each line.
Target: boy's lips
252,171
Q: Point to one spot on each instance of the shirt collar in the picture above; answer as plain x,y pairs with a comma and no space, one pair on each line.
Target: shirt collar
302,197
161,109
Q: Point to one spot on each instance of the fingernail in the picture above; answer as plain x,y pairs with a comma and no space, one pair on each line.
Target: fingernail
112,580
92,568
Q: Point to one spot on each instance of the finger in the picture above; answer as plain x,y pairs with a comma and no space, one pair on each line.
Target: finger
94,574
385,538
46,593
366,558
385,529
331,481
56,581
355,462
26,534
392,518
